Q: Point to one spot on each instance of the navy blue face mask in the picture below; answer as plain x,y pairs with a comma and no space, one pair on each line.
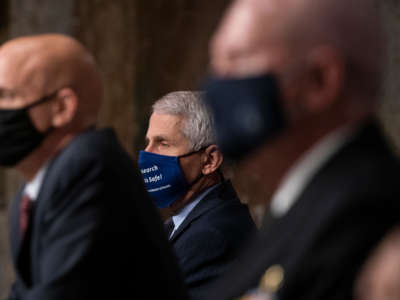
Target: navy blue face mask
247,112
163,177
18,135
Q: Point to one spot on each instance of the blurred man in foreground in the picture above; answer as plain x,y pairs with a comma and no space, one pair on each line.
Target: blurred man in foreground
82,226
181,168
295,97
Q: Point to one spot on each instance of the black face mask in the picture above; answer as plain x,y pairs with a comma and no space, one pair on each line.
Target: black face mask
247,112
18,135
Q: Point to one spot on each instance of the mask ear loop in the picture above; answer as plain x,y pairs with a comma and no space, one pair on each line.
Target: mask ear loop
221,175
40,101
191,153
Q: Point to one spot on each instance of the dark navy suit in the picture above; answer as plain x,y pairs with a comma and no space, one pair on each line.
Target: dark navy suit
325,237
210,238
94,233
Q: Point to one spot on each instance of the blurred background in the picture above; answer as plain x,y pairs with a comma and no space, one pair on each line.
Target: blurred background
147,48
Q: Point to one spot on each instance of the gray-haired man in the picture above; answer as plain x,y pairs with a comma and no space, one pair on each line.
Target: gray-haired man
181,169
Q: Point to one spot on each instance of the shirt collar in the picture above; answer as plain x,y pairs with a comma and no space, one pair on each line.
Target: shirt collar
179,218
32,188
305,168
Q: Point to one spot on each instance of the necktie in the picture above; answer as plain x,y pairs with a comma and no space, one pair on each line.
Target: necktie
169,227
24,214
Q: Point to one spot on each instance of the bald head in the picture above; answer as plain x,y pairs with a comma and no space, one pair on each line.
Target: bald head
50,92
256,35
39,65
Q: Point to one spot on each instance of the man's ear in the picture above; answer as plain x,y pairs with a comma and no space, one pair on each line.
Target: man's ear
212,159
65,107
325,79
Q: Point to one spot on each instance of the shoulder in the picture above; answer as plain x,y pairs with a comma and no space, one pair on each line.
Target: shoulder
98,148
94,144
227,209
225,219
95,169
93,156
365,168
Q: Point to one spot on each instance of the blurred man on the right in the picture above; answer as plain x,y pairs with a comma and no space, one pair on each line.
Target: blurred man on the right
295,93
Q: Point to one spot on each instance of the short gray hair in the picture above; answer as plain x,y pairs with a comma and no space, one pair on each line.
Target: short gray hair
197,125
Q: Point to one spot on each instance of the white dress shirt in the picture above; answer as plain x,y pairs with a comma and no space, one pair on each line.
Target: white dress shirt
179,218
32,188
297,178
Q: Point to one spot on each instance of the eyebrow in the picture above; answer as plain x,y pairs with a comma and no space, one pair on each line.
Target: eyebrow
159,138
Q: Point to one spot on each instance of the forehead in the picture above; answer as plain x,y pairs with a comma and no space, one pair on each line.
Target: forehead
8,67
15,68
250,38
251,22
165,125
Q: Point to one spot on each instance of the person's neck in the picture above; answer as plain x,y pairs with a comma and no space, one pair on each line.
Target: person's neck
199,187
259,176
49,148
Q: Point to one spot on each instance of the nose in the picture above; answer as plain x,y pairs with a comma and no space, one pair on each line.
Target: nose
149,147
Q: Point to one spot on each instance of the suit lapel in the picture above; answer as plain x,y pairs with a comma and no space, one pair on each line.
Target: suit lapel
368,138
212,199
20,248
369,141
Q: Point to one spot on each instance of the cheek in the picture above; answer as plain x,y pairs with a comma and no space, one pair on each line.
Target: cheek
191,168
293,102
41,118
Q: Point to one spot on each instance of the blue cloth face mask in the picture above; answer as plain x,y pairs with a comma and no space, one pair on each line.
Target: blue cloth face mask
247,112
163,177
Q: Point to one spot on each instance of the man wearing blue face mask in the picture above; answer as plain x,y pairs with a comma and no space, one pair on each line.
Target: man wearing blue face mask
295,94
181,169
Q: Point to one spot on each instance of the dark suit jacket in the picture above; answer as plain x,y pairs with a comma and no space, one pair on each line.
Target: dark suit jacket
94,232
326,236
208,240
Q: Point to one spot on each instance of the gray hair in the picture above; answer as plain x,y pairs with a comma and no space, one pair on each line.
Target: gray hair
197,125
